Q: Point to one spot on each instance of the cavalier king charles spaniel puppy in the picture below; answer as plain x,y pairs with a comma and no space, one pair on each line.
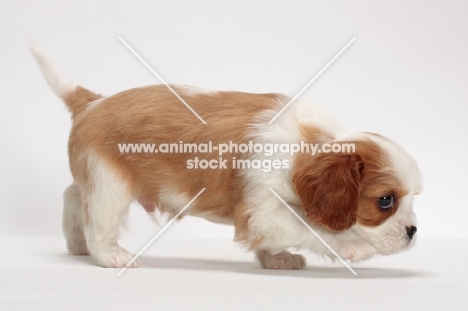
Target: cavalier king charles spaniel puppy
358,200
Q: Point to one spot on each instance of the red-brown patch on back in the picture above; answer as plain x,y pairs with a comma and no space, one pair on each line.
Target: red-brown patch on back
153,115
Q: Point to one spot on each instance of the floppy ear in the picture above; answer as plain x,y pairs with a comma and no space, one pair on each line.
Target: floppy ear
329,188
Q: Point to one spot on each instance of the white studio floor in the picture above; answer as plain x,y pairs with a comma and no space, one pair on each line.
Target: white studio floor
216,274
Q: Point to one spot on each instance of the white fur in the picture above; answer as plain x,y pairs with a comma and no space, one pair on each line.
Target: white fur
56,82
390,237
192,90
94,103
107,207
73,221
172,200
279,229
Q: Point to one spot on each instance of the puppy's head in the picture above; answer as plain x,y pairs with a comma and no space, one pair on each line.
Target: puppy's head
367,193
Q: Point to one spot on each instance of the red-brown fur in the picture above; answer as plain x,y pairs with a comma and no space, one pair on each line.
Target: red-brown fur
338,190
154,115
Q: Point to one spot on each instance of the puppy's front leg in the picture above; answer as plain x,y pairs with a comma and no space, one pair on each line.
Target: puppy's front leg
282,260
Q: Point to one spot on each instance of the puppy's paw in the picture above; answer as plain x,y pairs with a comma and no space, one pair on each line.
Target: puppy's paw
357,253
115,257
283,260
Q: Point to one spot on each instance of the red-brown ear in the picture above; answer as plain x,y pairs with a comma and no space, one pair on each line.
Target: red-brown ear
329,187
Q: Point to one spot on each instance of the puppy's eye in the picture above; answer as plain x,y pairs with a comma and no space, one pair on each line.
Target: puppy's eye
386,202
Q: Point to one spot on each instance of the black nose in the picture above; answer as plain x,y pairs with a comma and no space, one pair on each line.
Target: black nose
410,231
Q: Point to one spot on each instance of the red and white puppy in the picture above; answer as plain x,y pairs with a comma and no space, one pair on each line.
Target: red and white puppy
360,203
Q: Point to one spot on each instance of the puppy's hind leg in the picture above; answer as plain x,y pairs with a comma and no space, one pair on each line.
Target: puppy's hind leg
107,205
73,221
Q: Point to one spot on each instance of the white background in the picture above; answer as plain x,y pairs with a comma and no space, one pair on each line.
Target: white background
405,77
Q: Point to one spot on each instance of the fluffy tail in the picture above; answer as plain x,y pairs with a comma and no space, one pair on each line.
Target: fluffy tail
75,97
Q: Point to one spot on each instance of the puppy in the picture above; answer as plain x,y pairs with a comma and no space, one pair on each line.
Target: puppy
145,145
